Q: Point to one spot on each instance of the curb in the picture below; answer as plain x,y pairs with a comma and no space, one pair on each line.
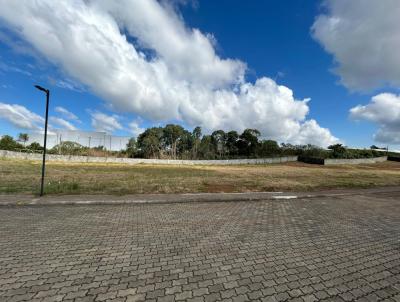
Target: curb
9,200
153,199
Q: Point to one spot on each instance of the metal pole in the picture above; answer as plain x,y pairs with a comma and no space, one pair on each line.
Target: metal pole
88,153
104,147
59,145
45,142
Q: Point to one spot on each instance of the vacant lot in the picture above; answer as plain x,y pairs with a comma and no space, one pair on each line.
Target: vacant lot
17,176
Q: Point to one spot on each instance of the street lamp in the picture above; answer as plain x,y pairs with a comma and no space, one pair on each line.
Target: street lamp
45,135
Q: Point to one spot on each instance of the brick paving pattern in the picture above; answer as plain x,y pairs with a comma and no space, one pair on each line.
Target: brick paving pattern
297,250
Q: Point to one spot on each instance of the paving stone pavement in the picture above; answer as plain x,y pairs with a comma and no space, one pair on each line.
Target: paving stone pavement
334,249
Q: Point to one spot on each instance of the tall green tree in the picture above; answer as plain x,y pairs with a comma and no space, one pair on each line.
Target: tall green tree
150,142
185,145
196,134
23,137
206,148
219,141
232,138
172,134
268,148
248,142
131,147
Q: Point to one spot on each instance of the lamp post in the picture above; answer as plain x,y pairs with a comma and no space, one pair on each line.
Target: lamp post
45,136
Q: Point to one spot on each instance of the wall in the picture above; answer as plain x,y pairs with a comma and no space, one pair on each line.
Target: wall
332,161
311,160
134,161
355,161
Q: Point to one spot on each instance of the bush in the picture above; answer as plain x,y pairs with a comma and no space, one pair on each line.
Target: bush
35,147
337,151
70,148
356,153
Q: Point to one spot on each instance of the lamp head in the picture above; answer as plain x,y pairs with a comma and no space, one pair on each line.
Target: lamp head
42,89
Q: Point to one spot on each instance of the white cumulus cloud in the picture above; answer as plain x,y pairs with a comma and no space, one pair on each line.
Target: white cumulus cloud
105,123
68,84
135,128
62,123
169,73
21,117
364,38
66,113
383,110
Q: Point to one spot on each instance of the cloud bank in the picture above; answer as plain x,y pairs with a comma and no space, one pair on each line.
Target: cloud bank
140,57
364,38
135,129
20,117
105,123
66,113
62,123
383,110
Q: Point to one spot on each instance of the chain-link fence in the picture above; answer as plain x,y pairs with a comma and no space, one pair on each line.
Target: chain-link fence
99,140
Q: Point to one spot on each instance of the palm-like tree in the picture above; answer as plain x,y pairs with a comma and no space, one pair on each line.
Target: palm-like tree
23,137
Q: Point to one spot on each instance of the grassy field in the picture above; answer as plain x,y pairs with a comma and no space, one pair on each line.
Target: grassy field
17,176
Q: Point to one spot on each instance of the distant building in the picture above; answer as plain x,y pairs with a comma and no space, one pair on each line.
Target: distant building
85,138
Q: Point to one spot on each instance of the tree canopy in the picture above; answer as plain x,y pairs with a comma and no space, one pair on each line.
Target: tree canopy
175,142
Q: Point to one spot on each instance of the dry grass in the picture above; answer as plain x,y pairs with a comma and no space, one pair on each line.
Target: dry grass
18,176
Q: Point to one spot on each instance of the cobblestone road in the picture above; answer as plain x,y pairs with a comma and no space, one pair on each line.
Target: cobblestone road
299,250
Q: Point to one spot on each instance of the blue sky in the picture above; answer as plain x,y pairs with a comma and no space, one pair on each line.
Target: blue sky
275,39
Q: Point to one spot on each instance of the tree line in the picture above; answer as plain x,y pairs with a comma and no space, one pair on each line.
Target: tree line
7,142
175,142
172,142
